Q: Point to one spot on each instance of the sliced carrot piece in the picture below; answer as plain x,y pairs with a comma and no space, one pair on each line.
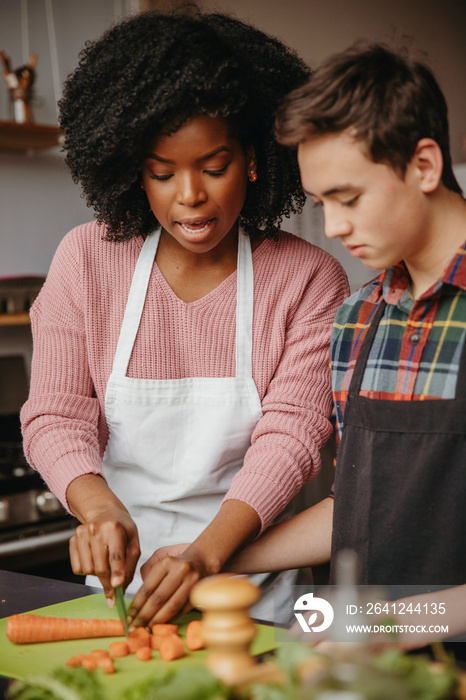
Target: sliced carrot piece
106,664
135,643
118,649
144,653
100,653
76,660
194,636
155,642
140,632
161,630
171,647
164,628
89,663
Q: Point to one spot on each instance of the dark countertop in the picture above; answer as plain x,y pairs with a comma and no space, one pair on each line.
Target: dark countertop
22,592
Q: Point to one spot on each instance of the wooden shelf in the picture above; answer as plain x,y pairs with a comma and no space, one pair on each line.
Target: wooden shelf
28,137
19,319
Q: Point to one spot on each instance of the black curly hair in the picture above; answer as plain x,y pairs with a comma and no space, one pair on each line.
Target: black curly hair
145,77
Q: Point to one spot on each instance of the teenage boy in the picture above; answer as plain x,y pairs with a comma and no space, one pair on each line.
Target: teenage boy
371,131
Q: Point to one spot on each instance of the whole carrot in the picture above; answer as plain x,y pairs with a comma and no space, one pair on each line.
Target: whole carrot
28,629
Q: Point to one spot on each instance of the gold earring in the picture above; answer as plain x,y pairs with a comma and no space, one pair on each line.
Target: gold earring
252,176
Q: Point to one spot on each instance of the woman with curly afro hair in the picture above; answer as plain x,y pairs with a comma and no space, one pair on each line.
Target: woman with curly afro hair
180,389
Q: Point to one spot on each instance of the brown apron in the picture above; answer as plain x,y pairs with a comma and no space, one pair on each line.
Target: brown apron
400,486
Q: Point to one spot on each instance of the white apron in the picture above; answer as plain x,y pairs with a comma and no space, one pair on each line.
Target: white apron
175,444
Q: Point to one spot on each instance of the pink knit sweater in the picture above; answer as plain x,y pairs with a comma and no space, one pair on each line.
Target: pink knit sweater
76,322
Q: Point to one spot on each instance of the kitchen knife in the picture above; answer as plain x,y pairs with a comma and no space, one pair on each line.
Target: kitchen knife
121,608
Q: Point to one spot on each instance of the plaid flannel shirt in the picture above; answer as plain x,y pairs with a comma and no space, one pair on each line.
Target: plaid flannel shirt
417,348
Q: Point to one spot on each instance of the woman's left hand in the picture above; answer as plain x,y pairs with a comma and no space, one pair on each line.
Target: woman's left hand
167,583
173,550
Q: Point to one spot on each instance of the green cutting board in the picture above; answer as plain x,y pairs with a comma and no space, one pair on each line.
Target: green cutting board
23,660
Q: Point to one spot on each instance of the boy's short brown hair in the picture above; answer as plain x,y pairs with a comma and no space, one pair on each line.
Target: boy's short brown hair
388,101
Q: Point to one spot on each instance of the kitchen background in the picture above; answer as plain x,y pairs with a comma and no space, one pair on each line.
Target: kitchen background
39,202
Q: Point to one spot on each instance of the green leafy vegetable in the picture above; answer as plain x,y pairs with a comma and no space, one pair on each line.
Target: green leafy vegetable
149,687
275,692
195,683
390,675
423,681
291,654
62,684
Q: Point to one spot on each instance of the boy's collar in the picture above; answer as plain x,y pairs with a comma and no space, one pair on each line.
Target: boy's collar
455,273
396,282
395,285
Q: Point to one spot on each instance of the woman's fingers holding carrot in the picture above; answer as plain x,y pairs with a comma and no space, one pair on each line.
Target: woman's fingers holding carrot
137,611
173,550
165,591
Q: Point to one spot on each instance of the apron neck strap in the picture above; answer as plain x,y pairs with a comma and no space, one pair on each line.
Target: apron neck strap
138,292
135,303
361,361
244,307
461,379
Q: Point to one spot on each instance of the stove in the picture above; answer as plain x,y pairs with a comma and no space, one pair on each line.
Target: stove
34,527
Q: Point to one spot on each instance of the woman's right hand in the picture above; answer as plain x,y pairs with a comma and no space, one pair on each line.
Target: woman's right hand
107,547
106,544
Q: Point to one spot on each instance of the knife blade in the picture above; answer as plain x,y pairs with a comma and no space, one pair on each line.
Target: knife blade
121,608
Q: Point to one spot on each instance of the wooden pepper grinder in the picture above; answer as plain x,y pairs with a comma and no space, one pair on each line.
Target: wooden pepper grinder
228,630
